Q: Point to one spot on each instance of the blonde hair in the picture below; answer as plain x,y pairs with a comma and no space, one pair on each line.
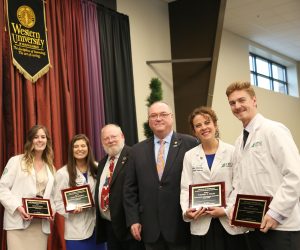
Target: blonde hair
240,85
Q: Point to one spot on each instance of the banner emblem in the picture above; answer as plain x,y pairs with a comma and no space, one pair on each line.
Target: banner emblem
26,16
28,37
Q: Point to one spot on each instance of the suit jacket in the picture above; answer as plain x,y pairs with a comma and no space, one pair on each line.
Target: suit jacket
153,203
115,199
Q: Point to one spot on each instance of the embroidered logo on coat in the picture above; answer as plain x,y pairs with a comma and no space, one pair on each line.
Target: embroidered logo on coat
256,144
227,165
5,171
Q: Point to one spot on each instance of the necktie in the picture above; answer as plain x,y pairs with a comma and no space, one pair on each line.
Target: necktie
160,164
245,136
105,189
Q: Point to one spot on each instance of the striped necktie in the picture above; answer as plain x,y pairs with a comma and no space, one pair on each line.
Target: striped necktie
160,164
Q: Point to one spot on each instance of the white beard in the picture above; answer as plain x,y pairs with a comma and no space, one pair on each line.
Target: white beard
114,150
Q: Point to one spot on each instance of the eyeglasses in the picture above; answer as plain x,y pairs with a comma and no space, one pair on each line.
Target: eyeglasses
112,138
157,116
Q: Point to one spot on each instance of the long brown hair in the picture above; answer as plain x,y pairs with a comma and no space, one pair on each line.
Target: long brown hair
71,165
47,155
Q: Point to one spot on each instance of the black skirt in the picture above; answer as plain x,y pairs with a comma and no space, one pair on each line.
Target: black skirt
218,239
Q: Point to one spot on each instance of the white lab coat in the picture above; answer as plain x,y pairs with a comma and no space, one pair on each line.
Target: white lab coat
77,226
269,165
15,184
196,171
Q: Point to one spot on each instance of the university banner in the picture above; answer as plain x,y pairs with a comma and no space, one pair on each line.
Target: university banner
28,39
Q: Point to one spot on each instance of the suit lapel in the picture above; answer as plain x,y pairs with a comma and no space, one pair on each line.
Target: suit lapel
99,172
172,154
123,158
101,166
151,157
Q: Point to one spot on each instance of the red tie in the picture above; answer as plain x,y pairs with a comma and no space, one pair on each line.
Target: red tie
105,190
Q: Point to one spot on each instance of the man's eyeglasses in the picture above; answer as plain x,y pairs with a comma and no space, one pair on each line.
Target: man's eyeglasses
110,138
160,115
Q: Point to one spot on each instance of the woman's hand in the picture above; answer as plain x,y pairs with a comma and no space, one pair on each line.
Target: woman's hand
194,214
77,210
51,218
216,212
23,214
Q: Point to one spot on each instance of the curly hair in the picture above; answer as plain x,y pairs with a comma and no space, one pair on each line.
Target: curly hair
206,112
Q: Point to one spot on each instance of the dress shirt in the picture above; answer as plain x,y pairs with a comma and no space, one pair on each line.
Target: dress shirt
167,140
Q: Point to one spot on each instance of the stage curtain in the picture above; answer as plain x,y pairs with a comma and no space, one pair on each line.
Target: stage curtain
94,74
117,74
69,98
60,99
2,137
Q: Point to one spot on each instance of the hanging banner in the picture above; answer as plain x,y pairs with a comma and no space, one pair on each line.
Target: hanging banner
28,38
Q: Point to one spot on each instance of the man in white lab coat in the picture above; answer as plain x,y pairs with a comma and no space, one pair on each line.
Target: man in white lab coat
268,164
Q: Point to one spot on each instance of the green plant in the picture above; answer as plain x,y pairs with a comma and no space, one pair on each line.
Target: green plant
155,95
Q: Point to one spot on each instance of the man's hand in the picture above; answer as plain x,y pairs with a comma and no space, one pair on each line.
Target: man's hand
268,223
136,230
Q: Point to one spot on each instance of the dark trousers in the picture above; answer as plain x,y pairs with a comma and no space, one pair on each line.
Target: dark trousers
274,240
161,244
217,238
113,243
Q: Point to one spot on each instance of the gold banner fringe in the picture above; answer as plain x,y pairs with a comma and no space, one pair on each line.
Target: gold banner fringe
45,69
29,77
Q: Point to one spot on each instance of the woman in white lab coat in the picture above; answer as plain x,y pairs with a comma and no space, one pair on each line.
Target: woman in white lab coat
28,175
81,169
211,161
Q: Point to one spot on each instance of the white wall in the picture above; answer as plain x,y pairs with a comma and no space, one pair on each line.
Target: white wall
233,65
150,40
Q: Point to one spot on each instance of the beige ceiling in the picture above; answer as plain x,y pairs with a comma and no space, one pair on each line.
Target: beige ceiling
272,23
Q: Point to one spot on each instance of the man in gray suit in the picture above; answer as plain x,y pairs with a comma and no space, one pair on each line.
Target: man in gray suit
152,184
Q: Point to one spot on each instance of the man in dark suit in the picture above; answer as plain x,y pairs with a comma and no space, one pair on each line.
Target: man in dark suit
110,216
152,184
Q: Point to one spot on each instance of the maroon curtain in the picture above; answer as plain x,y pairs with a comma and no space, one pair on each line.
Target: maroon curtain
59,100
94,74
2,141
